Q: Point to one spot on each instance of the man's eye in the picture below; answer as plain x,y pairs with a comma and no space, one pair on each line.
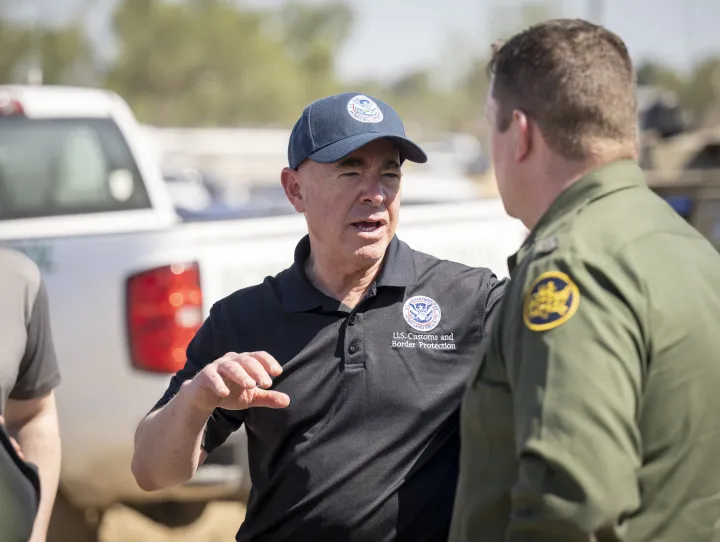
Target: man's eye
350,174
393,175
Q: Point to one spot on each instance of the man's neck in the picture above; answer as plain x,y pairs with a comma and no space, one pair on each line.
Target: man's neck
548,188
557,177
346,285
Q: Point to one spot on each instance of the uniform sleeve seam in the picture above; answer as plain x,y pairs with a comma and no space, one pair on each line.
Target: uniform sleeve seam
482,305
612,266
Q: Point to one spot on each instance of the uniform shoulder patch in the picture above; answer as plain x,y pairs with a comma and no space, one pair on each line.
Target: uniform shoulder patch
551,301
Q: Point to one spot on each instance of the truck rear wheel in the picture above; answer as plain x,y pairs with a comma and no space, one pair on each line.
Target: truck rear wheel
71,523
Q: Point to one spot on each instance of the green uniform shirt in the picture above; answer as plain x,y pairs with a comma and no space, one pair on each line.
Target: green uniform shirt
594,413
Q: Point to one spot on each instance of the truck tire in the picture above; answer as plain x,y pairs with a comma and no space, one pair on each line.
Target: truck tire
172,513
71,523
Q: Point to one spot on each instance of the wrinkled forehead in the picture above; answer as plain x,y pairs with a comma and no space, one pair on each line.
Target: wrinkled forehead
382,148
381,151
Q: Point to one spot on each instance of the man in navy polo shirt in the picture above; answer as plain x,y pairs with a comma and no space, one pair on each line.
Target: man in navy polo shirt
347,369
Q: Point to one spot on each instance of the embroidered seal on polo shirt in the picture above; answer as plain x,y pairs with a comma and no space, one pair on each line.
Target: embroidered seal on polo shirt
421,313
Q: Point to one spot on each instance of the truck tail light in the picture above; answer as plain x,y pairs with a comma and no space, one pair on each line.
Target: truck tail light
10,107
164,311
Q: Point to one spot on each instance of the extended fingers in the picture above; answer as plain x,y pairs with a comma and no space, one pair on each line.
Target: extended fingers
247,371
217,384
268,362
258,366
231,369
255,370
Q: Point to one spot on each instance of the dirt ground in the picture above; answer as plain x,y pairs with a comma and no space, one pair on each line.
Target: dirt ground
219,523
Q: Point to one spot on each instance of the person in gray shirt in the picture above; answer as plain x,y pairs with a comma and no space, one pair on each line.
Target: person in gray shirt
28,376
19,490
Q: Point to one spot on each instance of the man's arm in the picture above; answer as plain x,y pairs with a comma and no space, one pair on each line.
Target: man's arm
576,385
31,414
169,441
35,424
170,456
194,416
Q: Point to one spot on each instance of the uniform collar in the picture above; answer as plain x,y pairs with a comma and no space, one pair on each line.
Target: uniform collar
300,295
604,180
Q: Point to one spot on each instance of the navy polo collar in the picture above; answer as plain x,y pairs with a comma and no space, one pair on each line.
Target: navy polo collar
300,295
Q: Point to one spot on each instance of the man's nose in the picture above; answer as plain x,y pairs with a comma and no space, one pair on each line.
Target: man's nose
373,191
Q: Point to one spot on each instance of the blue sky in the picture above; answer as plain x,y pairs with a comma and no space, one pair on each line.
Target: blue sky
393,36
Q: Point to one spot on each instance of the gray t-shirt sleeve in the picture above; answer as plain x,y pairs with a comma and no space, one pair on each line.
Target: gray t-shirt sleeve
38,373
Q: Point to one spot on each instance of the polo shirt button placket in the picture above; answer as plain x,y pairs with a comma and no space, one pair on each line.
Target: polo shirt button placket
354,338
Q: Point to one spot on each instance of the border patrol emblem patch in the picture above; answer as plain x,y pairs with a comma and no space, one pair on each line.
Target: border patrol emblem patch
363,109
552,300
422,313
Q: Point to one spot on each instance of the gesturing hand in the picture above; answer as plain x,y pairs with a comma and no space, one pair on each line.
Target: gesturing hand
238,381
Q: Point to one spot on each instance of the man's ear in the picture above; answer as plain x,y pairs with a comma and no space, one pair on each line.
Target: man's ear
291,184
522,135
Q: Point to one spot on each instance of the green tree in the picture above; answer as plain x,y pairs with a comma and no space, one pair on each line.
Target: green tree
473,91
698,92
701,95
15,43
457,103
66,55
313,37
655,74
213,63
59,52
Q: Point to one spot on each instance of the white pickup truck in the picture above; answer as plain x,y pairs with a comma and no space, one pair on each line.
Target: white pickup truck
81,193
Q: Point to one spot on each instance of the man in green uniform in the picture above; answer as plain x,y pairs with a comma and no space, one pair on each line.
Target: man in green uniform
594,413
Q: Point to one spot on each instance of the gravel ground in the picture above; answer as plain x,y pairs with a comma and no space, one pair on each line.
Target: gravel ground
219,523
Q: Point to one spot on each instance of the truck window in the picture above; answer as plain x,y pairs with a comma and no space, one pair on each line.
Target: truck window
51,167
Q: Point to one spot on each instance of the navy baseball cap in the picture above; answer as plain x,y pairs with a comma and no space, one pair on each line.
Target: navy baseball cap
333,127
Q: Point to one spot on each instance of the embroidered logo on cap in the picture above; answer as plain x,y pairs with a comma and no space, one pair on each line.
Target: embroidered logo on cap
363,109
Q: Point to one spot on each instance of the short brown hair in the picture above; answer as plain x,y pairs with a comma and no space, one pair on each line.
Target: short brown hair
574,79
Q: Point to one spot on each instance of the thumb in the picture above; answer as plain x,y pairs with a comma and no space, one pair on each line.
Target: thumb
269,399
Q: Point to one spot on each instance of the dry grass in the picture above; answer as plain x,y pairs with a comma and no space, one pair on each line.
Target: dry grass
219,523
